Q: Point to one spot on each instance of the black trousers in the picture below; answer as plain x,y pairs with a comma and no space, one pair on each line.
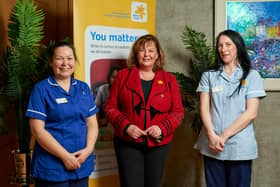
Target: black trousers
140,166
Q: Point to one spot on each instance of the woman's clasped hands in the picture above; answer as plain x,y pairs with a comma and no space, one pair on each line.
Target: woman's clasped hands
216,142
74,160
135,132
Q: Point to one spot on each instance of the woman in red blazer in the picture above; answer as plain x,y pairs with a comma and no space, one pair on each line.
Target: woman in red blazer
144,108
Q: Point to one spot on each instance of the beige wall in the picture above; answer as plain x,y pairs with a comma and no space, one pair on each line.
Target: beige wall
184,167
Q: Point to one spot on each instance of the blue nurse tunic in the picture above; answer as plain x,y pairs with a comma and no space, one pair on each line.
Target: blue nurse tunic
65,117
227,105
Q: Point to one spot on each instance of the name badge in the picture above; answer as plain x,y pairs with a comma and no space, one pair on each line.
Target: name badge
218,88
61,100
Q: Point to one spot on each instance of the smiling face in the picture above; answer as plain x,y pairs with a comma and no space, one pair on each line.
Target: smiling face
227,50
147,55
63,62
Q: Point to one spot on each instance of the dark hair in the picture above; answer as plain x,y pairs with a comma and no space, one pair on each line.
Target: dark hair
111,70
61,44
140,42
242,55
56,45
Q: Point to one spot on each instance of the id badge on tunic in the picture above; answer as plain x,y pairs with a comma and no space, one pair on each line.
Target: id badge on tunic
61,100
218,88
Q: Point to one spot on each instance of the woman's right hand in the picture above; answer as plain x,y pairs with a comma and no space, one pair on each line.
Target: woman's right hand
50,144
135,132
71,162
215,143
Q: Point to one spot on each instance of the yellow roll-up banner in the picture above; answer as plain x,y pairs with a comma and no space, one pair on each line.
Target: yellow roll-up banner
104,32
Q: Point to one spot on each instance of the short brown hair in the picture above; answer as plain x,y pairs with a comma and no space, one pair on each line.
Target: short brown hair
140,42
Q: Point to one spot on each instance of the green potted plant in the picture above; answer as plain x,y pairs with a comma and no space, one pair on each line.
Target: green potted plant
203,58
21,69
25,31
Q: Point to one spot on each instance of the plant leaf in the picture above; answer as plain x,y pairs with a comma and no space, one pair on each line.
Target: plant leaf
203,57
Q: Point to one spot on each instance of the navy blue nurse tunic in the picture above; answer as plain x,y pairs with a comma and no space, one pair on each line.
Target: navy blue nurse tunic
65,117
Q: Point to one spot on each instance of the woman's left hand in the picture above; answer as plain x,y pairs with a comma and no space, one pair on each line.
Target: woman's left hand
154,131
82,155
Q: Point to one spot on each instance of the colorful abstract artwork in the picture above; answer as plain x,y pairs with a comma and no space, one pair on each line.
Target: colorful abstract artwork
259,24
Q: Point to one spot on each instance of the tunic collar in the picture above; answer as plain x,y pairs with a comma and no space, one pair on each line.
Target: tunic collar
52,81
235,76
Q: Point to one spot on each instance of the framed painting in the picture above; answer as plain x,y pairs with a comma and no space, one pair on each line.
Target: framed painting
258,22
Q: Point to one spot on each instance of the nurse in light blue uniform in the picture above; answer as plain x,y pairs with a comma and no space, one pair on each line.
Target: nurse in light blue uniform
62,120
229,100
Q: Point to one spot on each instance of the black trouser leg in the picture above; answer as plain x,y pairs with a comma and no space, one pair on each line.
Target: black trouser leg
130,163
140,166
154,165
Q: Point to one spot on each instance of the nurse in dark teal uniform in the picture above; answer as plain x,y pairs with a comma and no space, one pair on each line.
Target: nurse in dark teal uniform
63,121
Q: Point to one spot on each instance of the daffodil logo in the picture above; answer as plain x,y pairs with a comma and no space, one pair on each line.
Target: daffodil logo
139,12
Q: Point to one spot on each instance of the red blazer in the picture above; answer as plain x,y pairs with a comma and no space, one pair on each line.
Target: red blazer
164,98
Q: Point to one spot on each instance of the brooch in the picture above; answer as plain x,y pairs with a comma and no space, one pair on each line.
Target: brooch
160,82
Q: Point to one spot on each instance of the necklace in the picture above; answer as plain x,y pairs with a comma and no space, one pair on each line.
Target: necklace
146,76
